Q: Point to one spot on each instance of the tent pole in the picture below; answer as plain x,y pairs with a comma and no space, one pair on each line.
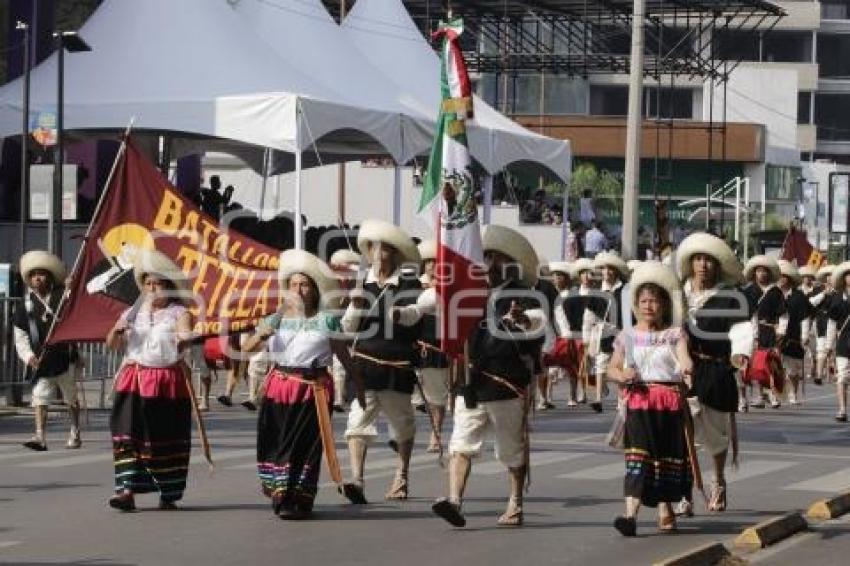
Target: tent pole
299,225
266,167
565,221
487,185
396,195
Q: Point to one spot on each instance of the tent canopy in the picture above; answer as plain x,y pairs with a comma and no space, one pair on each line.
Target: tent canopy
277,74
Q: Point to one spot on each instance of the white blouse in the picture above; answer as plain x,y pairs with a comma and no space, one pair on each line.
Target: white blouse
152,338
302,343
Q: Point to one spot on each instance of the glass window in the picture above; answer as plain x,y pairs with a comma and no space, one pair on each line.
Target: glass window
675,103
831,116
832,56
835,9
565,95
609,100
736,45
804,107
787,47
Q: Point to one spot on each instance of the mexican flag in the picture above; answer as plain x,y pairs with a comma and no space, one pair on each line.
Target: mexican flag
448,201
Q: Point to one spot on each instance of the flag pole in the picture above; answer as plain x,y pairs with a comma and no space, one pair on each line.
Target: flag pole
89,229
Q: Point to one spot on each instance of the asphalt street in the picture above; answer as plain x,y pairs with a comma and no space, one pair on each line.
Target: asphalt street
54,503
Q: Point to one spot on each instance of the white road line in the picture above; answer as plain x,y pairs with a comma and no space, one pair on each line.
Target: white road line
604,472
8,543
493,467
752,468
827,483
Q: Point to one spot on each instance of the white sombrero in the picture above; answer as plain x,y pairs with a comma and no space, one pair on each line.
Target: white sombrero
703,243
807,271
838,274
380,231
153,262
428,250
560,267
514,245
299,261
345,258
579,265
663,276
612,259
825,271
633,264
764,261
39,259
788,269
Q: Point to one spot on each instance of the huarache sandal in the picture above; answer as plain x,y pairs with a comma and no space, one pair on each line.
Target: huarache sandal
840,417
449,511
718,497
626,526
74,443
123,501
512,517
685,508
398,489
433,448
36,444
596,406
354,493
225,400
249,405
667,522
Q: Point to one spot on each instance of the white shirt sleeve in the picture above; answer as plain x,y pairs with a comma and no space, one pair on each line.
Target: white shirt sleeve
742,335
831,334
23,346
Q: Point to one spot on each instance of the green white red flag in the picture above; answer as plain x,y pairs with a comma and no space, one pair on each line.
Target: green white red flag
448,200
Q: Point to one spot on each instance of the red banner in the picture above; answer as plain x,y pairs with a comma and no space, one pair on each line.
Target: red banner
233,278
798,249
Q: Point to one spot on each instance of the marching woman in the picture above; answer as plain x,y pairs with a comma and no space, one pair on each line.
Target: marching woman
151,418
793,343
294,425
822,302
555,360
770,321
651,359
838,335
720,339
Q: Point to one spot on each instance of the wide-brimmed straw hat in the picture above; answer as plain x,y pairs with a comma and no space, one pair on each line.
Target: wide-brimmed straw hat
40,259
612,259
764,261
427,250
579,265
838,274
344,258
788,269
633,264
659,274
299,261
807,271
514,245
379,231
560,266
704,243
154,262
825,272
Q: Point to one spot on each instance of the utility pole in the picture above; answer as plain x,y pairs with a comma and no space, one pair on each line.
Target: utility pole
631,185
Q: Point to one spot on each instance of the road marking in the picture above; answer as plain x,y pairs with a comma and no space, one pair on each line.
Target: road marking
8,543
827,483
604,472
493,467
380,464
752,468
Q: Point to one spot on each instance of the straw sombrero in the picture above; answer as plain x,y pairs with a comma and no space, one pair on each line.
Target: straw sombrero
838,275
825,272
344,258
428,250
380,231
704,243
153,262
612,259
514,245
663,276
39,259
762,261
299,261
789,270
559,267
579,265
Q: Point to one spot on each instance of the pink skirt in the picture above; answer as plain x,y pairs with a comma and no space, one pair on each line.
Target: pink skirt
147,382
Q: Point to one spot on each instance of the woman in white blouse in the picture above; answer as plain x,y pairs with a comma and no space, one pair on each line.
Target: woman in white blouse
301,340
151,412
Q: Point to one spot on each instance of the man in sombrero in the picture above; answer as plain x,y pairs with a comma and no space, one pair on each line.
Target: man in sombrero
49,367
822,302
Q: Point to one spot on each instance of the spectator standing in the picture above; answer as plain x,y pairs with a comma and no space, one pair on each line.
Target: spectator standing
595,241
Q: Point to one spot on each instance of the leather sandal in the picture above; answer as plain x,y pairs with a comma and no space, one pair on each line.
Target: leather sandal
718,497
36,443
397,490
512,517
123,501
354,493
626,526
449,511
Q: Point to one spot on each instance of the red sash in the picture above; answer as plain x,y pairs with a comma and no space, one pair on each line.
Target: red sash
765,368
567,353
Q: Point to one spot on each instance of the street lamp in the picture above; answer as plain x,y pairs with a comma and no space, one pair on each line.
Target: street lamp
25,166
74,44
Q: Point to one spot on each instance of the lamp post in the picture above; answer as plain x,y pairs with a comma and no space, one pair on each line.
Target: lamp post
24,28
74,44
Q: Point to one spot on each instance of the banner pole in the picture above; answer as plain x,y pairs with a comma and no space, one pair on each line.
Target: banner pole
122,148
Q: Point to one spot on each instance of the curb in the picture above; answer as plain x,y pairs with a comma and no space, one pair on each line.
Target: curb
825,509
771,531
710,553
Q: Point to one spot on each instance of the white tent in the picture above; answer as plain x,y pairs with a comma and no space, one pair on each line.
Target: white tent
385,34
193,66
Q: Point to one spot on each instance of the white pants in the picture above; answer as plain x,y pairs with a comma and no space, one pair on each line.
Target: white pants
45,389
395,405
339,376
505,418
842,370
435,385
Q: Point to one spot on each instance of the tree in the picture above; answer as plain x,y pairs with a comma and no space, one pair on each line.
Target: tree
605,187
